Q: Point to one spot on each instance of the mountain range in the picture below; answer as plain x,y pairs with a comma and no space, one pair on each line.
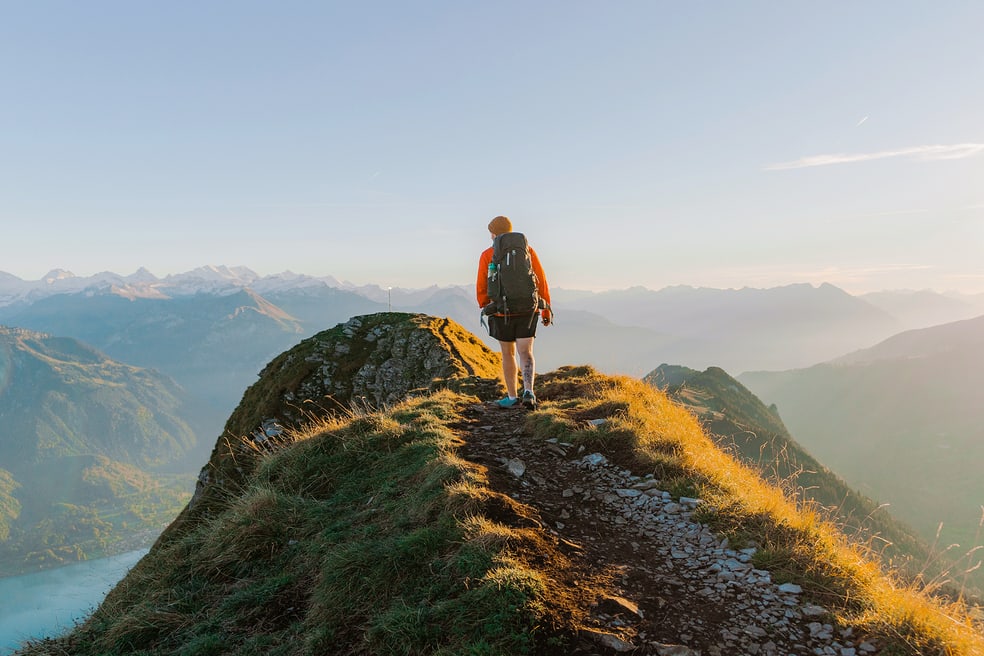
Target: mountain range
214,328
175,323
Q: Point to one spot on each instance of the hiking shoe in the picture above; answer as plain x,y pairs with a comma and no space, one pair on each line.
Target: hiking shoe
529,399
506,402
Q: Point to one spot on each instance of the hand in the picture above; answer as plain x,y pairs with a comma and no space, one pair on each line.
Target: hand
545,317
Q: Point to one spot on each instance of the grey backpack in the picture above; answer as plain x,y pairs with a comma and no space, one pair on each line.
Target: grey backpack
512,282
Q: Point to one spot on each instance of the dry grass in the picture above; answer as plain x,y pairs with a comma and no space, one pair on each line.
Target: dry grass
653,434
369,534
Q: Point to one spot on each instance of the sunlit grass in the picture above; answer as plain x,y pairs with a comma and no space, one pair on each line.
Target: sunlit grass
798,543
370,533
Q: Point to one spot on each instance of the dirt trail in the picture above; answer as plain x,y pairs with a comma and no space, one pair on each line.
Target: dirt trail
670,587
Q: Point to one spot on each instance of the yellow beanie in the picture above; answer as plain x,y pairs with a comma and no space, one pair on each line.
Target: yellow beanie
500,225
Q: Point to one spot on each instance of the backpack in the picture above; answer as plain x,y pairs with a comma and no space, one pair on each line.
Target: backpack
512,282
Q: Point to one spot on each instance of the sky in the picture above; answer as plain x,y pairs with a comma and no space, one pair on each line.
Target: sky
652,143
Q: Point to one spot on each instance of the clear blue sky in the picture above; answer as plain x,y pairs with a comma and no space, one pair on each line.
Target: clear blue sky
723,144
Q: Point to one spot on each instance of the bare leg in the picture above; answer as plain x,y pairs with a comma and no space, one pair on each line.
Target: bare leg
509,367
524,345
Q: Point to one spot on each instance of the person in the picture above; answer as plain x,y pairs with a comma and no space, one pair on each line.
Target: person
515,333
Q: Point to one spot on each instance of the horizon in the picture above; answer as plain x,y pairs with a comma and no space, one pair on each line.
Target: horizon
753,145
448,285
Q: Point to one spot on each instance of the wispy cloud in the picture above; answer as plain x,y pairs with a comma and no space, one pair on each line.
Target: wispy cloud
933,152
861,122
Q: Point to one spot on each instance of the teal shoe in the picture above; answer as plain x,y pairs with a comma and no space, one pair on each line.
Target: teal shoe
529,399
506,402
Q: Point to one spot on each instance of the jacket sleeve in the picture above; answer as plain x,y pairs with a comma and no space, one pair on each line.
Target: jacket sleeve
542,288
482,283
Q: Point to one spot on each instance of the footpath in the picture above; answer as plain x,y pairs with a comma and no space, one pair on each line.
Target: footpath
674,588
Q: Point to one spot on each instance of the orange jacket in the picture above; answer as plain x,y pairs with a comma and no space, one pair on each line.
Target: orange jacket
482,283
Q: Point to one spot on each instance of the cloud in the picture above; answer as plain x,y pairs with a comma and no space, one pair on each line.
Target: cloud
932,153
861,122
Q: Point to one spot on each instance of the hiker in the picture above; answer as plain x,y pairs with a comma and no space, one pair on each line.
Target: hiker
514,326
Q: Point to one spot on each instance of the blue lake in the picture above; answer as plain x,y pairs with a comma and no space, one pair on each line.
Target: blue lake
50,602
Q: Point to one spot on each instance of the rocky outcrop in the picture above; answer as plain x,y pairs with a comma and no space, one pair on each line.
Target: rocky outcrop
368,362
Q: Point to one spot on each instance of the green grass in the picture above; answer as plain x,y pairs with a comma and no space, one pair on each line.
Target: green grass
370,535
353,539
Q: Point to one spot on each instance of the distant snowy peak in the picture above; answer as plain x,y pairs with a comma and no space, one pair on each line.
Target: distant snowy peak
218,280
235,275
55,275
288,280
209,280
142,275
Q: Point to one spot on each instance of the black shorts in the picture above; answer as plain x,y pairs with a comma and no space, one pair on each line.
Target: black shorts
509,329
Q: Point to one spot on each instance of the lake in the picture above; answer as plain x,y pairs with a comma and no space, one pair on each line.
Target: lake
50,602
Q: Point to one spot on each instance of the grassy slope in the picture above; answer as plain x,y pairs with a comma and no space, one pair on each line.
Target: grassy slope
370,535
741,424
76,429
87,507
63,398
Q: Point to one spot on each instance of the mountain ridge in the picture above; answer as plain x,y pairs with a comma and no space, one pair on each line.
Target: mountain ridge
440,524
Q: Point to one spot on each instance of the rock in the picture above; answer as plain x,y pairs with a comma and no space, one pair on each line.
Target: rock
516,467
627,493
594,460
790,588
608,640
675,650
755,631
614,605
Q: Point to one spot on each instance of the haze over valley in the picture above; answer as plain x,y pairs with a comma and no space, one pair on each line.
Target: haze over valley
209,331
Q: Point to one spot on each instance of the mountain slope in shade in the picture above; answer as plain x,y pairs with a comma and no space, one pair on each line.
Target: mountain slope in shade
924,308
740,423
903,421
959,337
211,344
741,329
60,397
79,436
72,508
